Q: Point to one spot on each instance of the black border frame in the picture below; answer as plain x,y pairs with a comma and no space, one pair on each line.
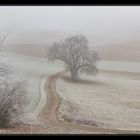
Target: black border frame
60,3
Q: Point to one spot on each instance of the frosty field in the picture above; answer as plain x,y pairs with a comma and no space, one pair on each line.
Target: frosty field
109,100
32,70
125,66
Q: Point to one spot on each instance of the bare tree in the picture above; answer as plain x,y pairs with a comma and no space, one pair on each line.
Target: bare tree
75,53
13,97
12,101
3,38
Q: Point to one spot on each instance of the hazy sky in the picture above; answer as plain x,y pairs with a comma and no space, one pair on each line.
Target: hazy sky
117,22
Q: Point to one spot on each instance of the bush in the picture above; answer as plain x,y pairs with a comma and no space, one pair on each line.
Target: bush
12,101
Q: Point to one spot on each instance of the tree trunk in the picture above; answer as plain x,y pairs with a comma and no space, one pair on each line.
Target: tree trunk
74,75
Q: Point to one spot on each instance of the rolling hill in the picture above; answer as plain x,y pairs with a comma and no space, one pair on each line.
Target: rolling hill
127,51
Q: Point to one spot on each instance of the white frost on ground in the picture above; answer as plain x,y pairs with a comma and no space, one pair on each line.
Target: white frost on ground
32,70
120,65
109,102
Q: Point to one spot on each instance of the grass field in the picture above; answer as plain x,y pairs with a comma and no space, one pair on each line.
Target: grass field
110,100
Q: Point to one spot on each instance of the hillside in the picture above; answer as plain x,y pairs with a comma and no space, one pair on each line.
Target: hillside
34,43
127,51
36,50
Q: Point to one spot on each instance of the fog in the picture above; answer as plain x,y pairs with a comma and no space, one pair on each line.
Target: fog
100,23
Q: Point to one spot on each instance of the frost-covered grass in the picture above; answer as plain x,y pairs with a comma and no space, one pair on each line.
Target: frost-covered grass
32,70
120,65
106,101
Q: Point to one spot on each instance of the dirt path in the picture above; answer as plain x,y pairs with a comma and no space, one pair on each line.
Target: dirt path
49,118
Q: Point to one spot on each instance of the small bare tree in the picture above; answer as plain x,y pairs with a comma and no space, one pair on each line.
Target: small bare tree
12,101
3,38
75,53
12,94
13,97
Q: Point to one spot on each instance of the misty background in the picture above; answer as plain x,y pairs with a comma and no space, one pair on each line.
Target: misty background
104,26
